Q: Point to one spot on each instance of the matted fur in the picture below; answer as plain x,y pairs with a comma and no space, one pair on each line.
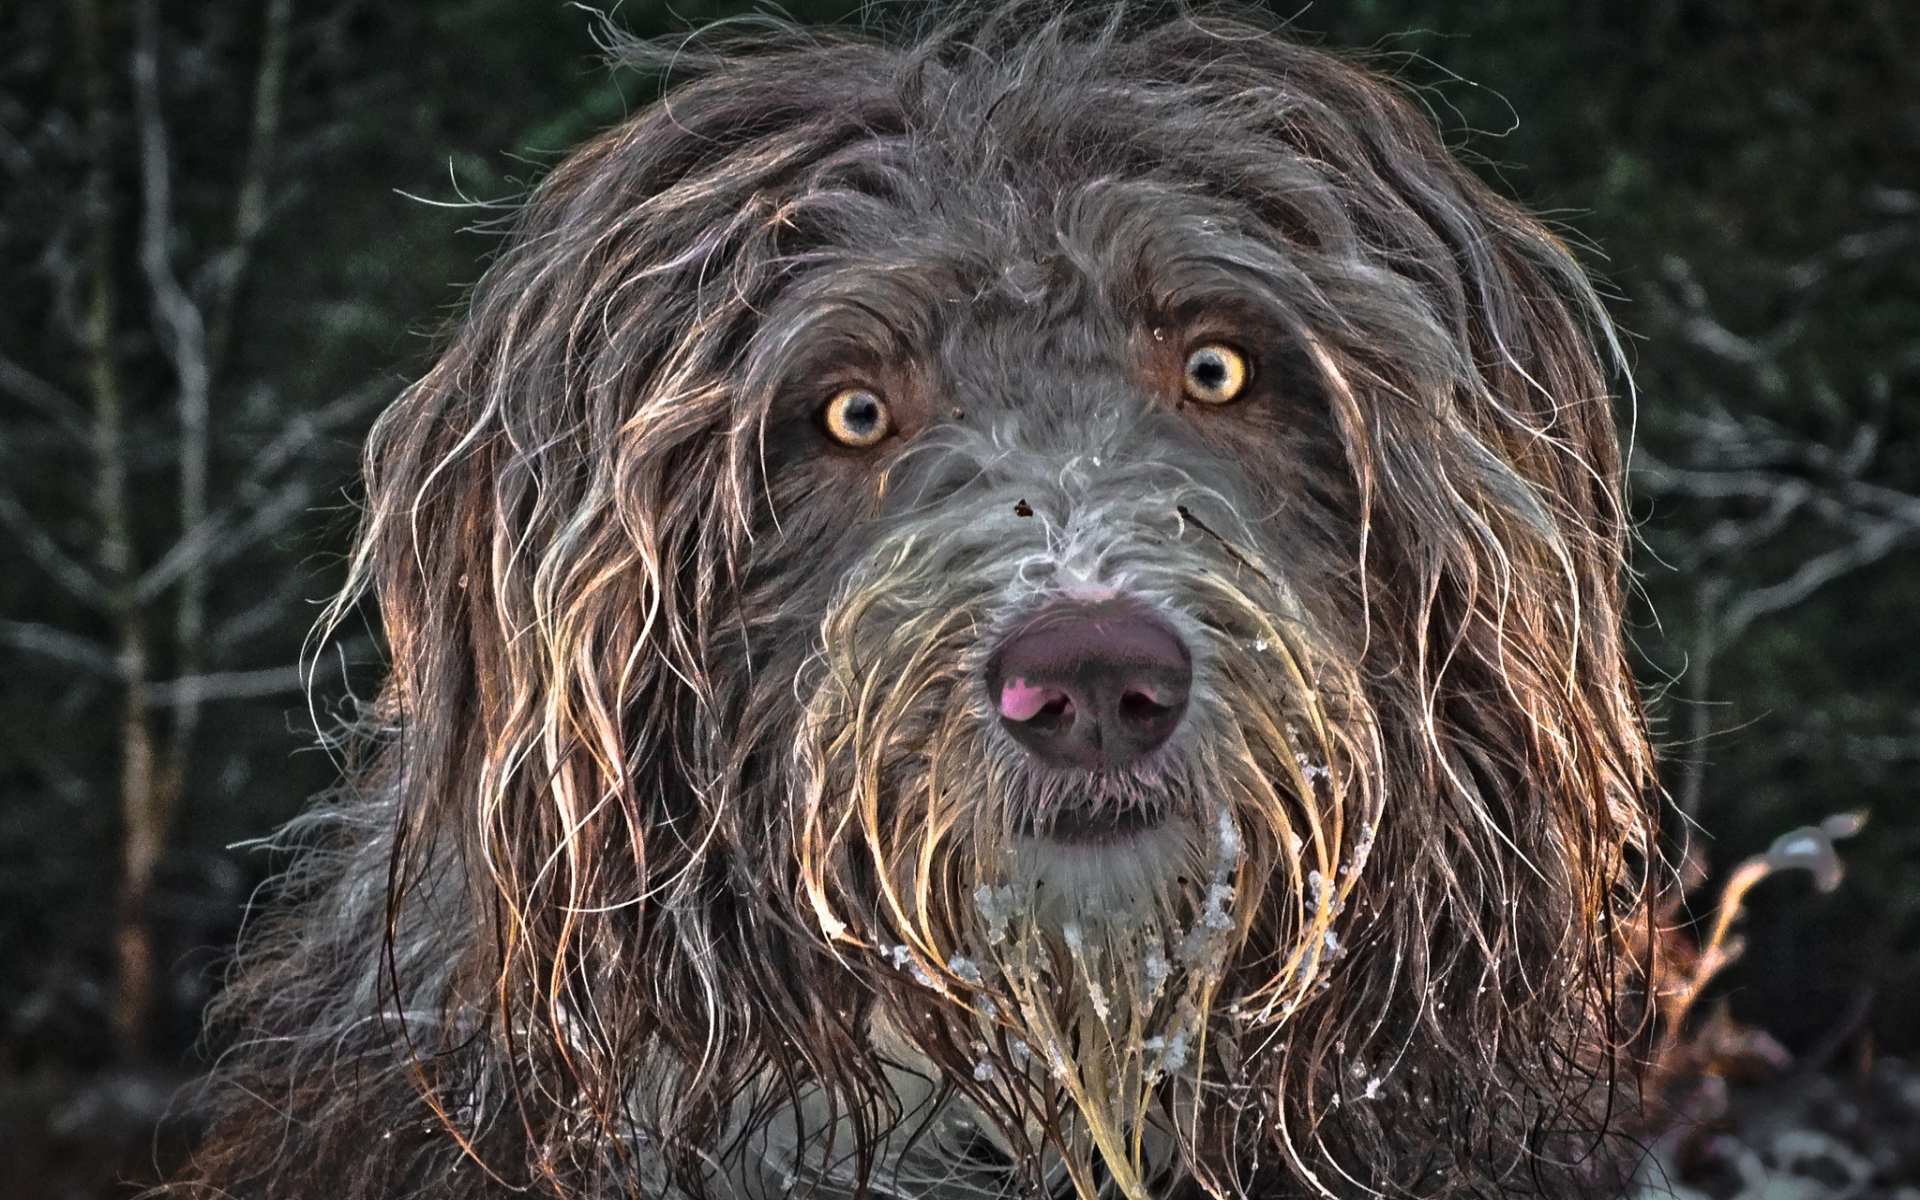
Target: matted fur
687,856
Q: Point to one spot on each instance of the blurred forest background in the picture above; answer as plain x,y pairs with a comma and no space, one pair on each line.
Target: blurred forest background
230,230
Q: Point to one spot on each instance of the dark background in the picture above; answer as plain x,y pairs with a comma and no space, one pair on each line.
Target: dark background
212,275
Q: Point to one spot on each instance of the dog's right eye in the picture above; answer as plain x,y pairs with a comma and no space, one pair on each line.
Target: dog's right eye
858,418
1215,373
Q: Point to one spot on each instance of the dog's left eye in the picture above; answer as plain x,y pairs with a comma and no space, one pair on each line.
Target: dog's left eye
1215,374
858,418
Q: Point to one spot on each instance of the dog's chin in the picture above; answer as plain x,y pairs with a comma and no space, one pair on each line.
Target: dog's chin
1096,827
1103,868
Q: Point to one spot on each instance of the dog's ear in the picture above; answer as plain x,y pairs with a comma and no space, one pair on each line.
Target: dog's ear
557,520
1495,534
1465,359
1493,524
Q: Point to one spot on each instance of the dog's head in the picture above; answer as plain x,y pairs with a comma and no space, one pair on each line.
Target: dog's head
1037,608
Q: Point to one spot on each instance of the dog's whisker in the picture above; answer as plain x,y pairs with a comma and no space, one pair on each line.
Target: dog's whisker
1233,552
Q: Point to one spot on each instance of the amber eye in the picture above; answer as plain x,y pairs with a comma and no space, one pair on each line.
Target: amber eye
858,418
1215,374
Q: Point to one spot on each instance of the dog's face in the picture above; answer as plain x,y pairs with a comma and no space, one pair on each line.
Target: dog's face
1078,548
1069,682
1034,612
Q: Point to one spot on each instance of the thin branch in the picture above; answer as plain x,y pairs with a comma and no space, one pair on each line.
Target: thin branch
99,327
1699,684
53,403
69,648
1730,537
247,685
1698,326
1901,506
184,337
262,615
225,685
304,427
214,541
1872,544
180,318
44,550
1652,475
218,538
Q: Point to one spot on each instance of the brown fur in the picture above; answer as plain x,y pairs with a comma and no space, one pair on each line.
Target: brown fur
686,856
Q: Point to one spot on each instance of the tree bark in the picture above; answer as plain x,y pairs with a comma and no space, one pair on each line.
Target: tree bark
133,949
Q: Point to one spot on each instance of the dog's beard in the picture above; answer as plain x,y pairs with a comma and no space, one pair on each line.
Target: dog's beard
1080,959
1096,979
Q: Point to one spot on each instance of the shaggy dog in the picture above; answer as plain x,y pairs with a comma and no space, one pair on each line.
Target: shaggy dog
1030,613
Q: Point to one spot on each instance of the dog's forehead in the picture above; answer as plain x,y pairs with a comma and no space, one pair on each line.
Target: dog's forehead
1099,256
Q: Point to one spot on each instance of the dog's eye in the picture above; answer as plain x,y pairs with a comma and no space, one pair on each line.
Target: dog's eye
1215,374
858,418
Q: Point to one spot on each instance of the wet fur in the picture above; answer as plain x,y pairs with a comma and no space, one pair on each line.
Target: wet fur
683,854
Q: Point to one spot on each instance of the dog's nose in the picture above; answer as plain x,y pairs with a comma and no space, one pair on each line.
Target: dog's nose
1094,686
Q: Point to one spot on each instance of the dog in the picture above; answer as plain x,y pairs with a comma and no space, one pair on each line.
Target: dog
1027,610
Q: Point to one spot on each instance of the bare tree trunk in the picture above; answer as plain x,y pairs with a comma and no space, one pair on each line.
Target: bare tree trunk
184,338
133,950
142,842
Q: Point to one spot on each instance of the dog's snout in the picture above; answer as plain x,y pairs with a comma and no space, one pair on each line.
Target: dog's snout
1094,686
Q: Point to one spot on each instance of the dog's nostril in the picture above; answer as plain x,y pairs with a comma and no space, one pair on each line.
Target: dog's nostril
1091,685
1021,701
1041,707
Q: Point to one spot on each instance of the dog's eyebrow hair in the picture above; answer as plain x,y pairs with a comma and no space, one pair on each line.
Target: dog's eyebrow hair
1186,514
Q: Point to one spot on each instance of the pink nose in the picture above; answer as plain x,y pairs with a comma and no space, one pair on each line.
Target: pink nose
1094,686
